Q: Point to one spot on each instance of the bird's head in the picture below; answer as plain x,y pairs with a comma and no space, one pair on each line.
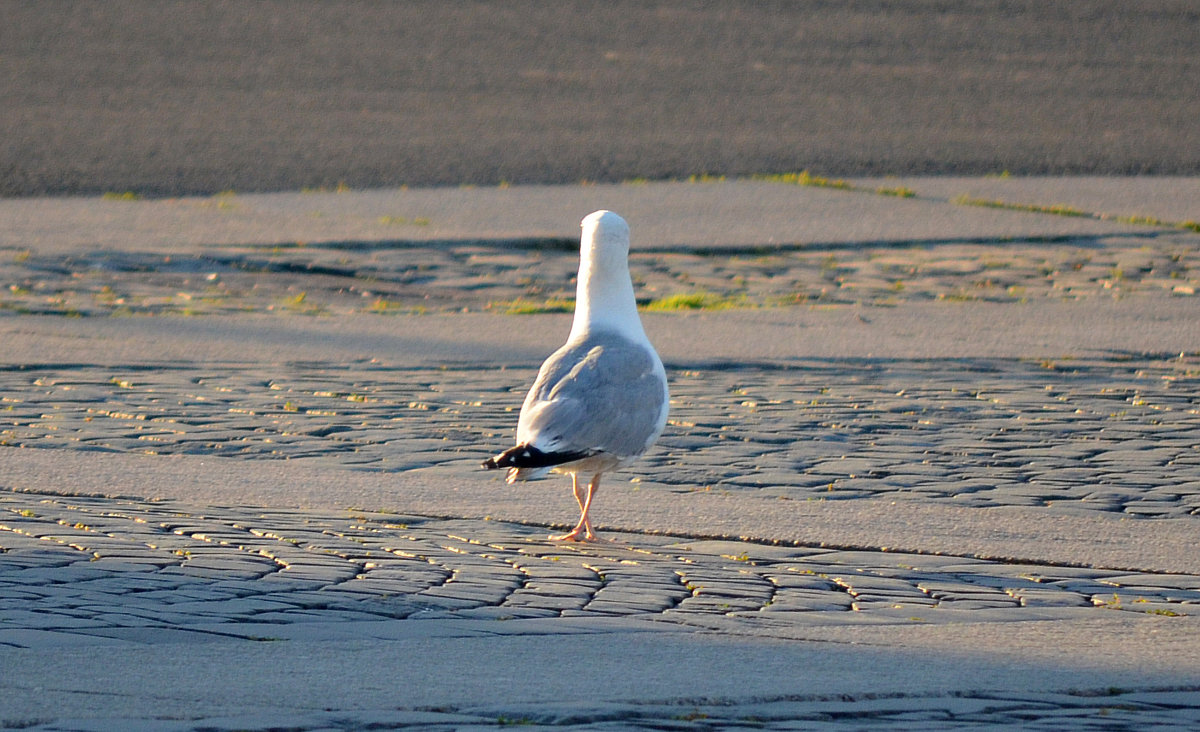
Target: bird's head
605,240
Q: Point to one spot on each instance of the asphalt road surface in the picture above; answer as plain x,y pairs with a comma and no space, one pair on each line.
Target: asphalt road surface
170,98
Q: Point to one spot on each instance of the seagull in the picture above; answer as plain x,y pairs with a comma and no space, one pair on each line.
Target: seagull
600,401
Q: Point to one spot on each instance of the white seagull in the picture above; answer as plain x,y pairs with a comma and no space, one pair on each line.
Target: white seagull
600,400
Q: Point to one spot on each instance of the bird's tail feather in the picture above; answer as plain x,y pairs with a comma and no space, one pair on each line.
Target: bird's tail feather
528,456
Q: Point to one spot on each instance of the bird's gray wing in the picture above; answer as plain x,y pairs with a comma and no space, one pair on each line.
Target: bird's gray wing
603,393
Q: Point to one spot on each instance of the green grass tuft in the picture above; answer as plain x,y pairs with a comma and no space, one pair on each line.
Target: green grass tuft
804,178
1057,209
692,301
521,306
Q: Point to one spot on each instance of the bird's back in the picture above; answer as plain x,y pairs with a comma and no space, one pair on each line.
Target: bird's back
602,392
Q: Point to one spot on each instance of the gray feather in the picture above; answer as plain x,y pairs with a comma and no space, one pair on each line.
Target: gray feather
601,393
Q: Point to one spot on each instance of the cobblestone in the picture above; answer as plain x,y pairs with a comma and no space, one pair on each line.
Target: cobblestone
327,566
385,278
1115,435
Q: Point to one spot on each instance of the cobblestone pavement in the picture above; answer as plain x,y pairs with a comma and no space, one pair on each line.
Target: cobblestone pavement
1118,434
538,275
79,569
93,566
1110,433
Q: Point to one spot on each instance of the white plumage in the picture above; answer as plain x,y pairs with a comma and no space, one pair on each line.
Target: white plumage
600,401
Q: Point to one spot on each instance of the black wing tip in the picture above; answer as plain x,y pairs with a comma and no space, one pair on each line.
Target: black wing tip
527,456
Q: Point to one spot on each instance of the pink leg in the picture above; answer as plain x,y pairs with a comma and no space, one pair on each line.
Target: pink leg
593,487
576,491
584,526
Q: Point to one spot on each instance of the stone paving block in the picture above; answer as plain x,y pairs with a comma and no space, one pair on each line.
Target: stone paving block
785,609
567,589
614,593
788,583
510,612
1035,598
1166,609
452,600
130,564
868,601
966,603
373,586
561,578
547,602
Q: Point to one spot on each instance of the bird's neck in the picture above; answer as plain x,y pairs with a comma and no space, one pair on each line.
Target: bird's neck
604,301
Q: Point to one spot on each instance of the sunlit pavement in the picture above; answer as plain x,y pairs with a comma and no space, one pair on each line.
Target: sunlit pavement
968,464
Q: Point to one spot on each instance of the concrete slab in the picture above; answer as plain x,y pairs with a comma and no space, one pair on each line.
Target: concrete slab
1167,198
689,216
